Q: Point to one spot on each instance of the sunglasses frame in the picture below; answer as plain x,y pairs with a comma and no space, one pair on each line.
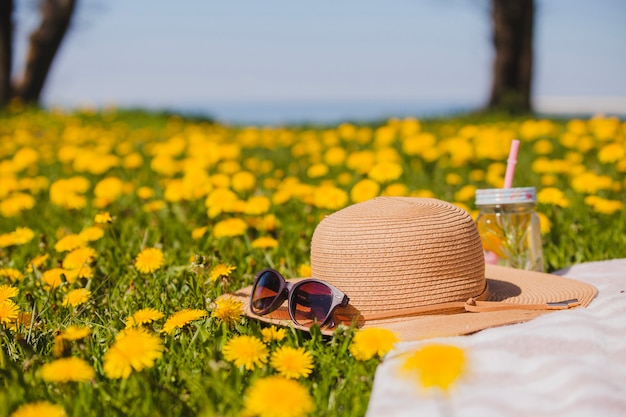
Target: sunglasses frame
286,292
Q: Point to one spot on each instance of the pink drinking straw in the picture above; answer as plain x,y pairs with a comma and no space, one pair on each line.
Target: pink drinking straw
511,162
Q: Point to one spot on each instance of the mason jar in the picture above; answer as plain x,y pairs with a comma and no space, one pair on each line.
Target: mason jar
509,227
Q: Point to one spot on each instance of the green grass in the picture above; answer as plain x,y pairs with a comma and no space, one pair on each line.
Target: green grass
192,377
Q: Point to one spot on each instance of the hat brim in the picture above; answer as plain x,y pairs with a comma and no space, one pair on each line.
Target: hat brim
513,286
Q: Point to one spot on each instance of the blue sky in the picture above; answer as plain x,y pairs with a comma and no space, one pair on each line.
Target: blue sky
206,54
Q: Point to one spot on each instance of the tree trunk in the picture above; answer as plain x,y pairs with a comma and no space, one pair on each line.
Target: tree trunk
512,69
6,50
44,44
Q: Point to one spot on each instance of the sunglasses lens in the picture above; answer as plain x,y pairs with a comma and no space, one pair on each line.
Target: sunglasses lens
310,303
265,292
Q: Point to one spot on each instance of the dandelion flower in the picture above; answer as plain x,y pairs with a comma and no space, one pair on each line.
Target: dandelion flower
198,232
273,333
37,262
53,277
23,235
67,370
143,316
552,196
385,172
22,319
363,190
11,273
228,309
371,342
40,409
75,333
181,318
149,260
91,234
264,242
8,311
221,271
6,292
292,362
134,349
69,243
76,297
103,218
80,257
230,228
435,365
260,398
245,351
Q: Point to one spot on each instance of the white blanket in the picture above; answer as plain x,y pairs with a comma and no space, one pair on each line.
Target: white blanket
568,363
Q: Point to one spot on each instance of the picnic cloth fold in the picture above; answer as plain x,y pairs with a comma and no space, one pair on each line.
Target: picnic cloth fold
565,363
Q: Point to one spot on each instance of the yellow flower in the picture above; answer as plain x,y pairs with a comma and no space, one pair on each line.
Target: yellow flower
6,292
260,398
453,179
363,190
553,196
53,277
544,223
19,236
371,342
37,262
604,206
230,228
149,260
11,273
40,409
153,206
317,170
76,297
75,333
134,349
181,318
385,172
221,271
611,153
103,218
243,181
466,193
228,309
198,232
79,257
396,189
67,370
69,242
91,234
264,242
329,197
273,333
245,351
304,270
435,365
23,319
8,311
257,205
292,362
143,316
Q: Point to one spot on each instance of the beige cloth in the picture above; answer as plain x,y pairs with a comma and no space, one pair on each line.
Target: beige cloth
565,363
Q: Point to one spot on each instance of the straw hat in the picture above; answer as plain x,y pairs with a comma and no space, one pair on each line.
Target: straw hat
416,266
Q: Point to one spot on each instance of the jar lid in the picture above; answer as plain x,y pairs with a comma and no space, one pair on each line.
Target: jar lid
496,196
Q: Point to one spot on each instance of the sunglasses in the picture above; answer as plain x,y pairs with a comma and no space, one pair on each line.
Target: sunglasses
309,301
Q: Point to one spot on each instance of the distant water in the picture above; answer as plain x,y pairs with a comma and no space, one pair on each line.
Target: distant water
324,112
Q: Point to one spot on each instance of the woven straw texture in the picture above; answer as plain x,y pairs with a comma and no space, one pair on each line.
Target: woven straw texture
392,253
395,253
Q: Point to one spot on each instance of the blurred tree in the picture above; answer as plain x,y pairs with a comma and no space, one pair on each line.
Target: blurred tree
512,25
44,43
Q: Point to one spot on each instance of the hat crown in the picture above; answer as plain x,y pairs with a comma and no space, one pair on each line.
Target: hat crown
394,253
